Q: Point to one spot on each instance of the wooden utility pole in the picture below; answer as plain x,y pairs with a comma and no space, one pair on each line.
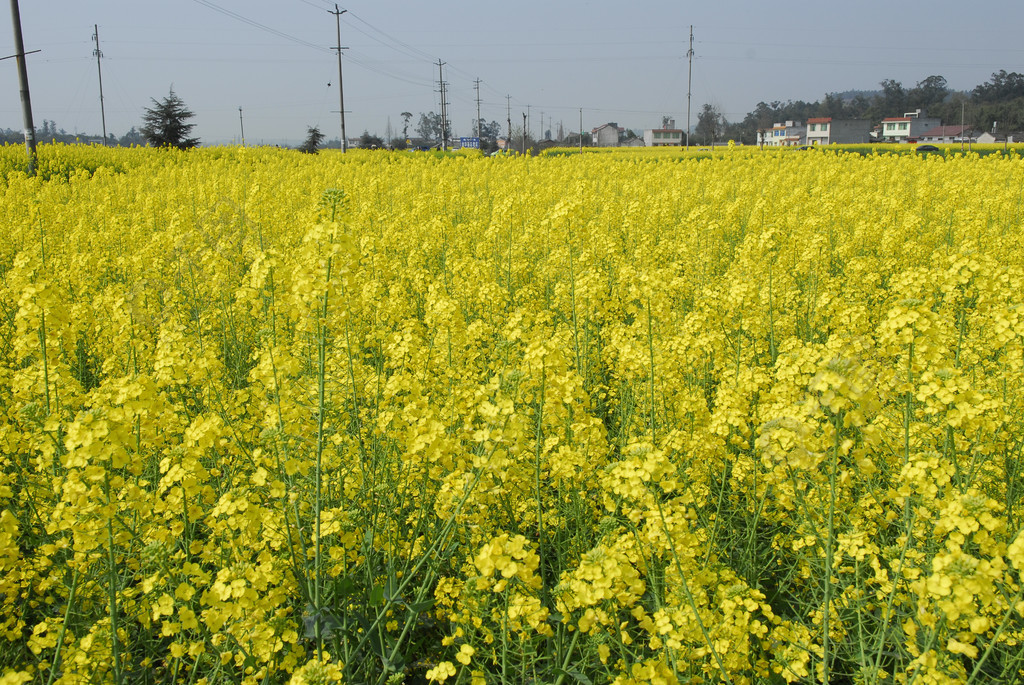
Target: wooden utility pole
341,89
508,115
241,125
99,54
26,101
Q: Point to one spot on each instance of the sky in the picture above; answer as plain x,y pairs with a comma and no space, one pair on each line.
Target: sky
620,62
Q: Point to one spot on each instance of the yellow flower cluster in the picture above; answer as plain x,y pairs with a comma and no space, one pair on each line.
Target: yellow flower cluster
742,416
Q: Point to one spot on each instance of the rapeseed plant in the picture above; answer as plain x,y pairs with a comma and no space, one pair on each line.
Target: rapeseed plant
636,417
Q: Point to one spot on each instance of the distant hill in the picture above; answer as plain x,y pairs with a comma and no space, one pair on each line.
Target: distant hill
851,95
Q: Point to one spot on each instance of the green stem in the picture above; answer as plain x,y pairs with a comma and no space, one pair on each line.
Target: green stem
321,405
689,596
829,551
999,631
60,636
112,586
568,656
46,362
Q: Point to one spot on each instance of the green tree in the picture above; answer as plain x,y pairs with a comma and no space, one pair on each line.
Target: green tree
313,139
165,124
832,106
132,137
893,100
369,142
406,118
429,126
929,93
1001,87
710,125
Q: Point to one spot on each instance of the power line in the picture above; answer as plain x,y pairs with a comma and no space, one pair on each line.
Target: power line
417,51
258,25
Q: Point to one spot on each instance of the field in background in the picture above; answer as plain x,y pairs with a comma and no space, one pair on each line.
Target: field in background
753,416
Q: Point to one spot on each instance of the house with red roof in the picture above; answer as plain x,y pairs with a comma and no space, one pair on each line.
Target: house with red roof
949,134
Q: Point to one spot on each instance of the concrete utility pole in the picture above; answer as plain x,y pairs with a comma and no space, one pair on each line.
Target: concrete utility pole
524,132
26,101
444,106
341,89
477,109
689,82
581,129
241,125
99,54
508,115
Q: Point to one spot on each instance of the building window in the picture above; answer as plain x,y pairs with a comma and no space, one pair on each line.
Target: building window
903,126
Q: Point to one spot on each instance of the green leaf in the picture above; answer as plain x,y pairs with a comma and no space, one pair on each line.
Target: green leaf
575,675
420,607
328,624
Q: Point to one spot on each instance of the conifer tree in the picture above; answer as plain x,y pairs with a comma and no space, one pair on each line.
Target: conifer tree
165,124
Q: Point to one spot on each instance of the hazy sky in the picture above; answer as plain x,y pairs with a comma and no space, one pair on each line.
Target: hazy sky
621,62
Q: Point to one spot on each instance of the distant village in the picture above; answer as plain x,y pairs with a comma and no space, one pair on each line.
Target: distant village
910,127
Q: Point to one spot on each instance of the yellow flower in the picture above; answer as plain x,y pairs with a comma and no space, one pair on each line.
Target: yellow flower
441,672
465,654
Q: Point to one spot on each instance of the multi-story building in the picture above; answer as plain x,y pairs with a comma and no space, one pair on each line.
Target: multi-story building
786,134
827,130
907,128
667,135
606,135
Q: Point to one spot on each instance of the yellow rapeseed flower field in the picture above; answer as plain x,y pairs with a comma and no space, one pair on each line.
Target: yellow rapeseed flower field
734,416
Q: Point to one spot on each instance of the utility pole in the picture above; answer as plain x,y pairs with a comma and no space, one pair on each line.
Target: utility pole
689,82
477,109
99,54
962,124
524,132
527,126
341,88
581,129
241,124
26,101
508,114
444,106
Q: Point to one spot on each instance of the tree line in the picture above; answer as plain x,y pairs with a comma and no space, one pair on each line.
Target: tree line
998,102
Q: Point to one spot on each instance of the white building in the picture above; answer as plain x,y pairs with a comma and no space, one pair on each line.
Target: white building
667,135
948,134
786,134
907,128
606,135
